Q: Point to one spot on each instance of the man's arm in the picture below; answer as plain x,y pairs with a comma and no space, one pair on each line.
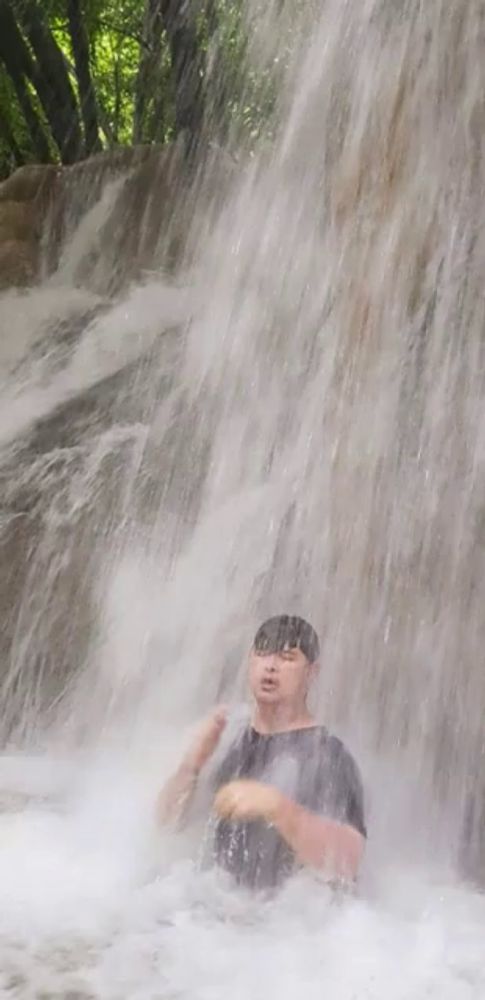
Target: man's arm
176,795
319,842
336,848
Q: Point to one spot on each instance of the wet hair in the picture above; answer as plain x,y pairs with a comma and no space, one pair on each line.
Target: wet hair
287,632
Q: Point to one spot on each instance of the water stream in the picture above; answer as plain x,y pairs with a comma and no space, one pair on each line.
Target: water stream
292,421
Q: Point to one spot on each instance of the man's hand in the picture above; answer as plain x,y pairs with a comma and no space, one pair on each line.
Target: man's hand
206,740
175,797
248,800
318,842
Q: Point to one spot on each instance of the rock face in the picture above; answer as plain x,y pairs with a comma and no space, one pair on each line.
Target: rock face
65,472
27,182
15,220
18,263
25,198
41,207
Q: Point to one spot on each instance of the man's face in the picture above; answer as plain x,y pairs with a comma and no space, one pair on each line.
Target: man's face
280,678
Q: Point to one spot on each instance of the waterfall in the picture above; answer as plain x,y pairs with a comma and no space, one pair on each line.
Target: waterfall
287,415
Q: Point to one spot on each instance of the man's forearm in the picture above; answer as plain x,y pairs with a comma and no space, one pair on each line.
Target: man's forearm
318,842
176,796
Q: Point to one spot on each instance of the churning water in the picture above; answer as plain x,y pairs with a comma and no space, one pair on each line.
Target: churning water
296,421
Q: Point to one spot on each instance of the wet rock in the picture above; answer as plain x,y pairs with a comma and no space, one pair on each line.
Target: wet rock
25,199
28,182
18,263
147,225
16,221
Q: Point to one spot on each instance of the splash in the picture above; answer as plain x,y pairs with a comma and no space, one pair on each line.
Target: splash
295,422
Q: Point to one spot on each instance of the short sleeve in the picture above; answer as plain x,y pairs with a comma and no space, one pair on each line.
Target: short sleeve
353,794
339,792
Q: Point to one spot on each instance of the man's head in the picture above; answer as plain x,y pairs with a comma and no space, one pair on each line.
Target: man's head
282,662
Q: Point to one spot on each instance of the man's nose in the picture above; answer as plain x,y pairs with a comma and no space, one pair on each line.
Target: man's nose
271,664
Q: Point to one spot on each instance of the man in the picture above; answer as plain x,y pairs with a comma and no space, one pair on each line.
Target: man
286,792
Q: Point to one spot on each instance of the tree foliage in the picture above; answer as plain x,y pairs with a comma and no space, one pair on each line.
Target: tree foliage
78,76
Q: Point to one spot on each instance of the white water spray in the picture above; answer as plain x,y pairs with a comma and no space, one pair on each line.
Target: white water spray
304,430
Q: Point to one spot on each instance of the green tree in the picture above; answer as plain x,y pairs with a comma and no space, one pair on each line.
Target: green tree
77,76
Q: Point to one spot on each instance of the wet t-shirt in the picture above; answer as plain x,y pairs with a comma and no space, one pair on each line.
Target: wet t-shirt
309,766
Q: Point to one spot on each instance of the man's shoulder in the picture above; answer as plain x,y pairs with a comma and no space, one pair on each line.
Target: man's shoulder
328,742
339,754
337,746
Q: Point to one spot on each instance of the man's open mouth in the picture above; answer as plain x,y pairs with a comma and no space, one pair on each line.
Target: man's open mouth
269,684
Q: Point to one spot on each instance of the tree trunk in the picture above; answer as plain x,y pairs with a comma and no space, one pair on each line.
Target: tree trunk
157,123
117,107
38,137
217,89
18,64
80,48
10,141
105,124
150,50
176,18
187,67
51,80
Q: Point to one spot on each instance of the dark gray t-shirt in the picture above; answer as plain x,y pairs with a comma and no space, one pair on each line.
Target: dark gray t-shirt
311,767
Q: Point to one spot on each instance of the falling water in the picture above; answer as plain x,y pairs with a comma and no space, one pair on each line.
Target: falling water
293,420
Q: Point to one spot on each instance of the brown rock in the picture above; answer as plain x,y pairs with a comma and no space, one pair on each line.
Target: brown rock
17,221
27,182
17,264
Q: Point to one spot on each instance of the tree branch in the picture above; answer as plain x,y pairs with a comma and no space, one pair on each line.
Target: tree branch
134,36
